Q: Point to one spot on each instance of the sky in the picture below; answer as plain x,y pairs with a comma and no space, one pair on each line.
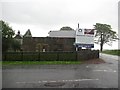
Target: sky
42,16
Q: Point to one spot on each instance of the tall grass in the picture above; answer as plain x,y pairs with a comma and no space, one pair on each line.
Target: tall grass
112,52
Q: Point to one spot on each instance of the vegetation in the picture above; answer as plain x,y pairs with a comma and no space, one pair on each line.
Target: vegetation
66,28
8,42
112,52
104,34
7,35
39,62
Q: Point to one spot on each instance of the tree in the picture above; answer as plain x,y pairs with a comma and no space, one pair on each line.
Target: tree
7,35
66,28
104,34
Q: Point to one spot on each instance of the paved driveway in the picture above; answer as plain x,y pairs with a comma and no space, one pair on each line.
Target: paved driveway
64,76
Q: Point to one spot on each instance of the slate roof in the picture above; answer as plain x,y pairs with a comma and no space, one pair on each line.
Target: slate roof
18,36
28,33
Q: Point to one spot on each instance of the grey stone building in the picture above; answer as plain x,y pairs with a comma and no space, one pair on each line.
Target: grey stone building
48,44
54,42
19,38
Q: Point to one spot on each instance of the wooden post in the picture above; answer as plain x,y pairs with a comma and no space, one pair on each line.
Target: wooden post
5,56
39,57
57,56
21,55
76,56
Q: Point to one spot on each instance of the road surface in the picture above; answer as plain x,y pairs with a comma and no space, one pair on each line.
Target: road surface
103,75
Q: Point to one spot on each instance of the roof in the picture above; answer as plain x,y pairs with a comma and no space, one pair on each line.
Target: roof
28,33
18,36
62,33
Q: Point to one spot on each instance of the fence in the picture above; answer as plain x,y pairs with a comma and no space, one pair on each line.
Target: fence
51,56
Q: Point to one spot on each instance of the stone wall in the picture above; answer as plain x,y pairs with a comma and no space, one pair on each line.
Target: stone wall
86,54
48,43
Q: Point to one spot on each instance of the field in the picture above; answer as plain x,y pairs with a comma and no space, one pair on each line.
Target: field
112,52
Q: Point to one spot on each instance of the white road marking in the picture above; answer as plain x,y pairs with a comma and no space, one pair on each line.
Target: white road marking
96,66
114,71
106,70
53,81
87,66
44,81
39,81
20,82
76,80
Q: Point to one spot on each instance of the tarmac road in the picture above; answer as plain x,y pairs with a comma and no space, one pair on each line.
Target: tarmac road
63,76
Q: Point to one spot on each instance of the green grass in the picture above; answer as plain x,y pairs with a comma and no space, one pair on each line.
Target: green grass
112,52
39,62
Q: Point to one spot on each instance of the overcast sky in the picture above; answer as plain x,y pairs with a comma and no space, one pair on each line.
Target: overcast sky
44,15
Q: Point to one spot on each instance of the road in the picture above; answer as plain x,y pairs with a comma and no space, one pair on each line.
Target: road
63,76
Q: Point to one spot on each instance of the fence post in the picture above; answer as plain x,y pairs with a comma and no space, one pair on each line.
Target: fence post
76,55
21,55
39,58
57,56
5,56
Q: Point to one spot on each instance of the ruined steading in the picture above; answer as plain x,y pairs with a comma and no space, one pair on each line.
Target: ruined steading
30,43
48,44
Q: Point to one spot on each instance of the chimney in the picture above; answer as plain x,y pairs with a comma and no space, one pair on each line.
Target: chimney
18,32
78,25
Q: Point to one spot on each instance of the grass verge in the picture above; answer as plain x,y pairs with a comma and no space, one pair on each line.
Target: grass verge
112,52
39,62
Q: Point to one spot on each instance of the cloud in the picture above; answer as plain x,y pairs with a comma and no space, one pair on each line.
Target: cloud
48,14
